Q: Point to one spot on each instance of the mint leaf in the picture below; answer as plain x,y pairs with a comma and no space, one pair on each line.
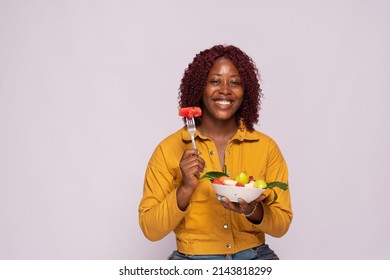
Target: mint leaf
213,175
280,185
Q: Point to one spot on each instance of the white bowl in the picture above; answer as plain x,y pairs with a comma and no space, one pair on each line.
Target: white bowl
234,193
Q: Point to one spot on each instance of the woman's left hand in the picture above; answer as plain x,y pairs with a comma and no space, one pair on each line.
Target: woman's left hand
252,210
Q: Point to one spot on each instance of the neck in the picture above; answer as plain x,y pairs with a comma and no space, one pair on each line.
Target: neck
218,130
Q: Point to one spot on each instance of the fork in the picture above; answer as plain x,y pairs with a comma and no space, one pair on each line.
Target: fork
191,130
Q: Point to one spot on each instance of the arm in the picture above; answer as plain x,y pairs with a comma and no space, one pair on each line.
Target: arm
158,211
277,215
167,192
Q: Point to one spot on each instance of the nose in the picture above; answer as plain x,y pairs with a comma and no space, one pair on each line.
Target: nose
224,88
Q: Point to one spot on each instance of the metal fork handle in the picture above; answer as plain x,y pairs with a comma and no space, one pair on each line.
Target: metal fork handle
191,129
193,141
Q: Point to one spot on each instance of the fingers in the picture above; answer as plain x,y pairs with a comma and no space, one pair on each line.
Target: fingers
190,152
241,207
191,165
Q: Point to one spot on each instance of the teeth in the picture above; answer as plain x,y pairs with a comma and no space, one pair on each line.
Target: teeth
223,102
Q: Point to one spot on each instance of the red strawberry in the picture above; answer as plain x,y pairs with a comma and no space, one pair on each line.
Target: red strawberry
251,178
218,182
238,184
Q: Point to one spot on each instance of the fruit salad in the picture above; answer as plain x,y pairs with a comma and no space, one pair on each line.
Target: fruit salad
243,180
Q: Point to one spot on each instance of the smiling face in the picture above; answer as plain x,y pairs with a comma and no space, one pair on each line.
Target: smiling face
223,93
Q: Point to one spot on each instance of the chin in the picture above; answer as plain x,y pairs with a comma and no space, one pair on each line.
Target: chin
224,117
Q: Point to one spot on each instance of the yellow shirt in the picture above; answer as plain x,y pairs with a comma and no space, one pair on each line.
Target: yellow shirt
206,227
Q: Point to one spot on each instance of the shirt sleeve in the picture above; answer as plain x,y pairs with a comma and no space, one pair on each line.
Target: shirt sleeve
277,213
158,210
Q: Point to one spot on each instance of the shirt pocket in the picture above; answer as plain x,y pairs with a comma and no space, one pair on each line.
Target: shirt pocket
246,226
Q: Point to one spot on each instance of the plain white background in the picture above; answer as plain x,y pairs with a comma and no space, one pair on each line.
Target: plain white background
89,88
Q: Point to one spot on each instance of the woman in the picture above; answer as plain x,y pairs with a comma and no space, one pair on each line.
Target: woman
223,82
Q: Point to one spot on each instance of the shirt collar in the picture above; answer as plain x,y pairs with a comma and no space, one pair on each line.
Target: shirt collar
242,134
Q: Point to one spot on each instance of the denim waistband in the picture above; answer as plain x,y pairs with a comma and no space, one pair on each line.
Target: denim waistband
262,252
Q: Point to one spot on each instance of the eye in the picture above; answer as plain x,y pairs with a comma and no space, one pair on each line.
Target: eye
214,82
235,83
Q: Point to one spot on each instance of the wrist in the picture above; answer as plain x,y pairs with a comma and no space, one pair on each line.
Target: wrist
183,196
256,215
252,212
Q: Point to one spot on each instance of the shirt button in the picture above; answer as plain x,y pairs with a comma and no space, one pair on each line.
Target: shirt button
211,152
228,245
225,226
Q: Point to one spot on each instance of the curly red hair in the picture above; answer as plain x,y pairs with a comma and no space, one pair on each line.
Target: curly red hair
195,78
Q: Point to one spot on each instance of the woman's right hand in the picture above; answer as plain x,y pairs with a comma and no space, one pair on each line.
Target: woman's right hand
191,165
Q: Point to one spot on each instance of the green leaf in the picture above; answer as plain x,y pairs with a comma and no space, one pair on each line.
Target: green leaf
280,185
275,195
213,175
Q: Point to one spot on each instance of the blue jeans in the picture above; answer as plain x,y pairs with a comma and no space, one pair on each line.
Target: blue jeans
262,252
